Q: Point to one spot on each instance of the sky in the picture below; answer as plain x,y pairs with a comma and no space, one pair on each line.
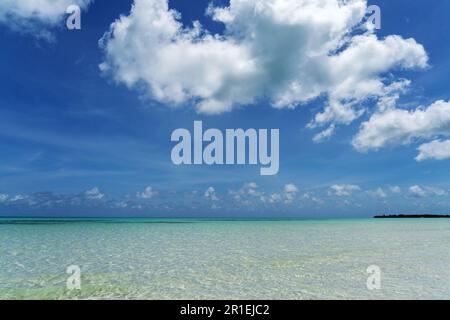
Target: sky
86,115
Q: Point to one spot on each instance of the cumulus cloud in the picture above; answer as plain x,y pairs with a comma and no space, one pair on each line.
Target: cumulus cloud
148,193
3,197
250,194
290,190
434,150
35,15
401,127
94,194
417,191
210,194
288,52
287,195
311,197
275,198
395,189
378,193
248,190
343,190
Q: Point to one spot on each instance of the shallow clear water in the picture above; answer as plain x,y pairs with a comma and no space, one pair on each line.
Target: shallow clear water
199,259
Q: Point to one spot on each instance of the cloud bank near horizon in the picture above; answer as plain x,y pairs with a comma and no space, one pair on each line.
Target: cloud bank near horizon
249,198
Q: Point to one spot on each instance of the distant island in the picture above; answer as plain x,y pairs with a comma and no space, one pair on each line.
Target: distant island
409,216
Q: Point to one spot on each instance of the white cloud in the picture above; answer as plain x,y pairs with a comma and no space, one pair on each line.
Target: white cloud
436,191
287,51
18,197
325,134
287,195
401,127
343,190
94,194
378,193
251,189
19,200
248,190
417,191
437,150
275,198
421,192
34,15
395,189
290,190
148,193
210,194
120,205
3,197
310,196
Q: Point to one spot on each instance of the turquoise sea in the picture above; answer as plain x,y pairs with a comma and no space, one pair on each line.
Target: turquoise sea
220,259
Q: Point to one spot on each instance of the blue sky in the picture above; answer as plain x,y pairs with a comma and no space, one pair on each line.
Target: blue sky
75,141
